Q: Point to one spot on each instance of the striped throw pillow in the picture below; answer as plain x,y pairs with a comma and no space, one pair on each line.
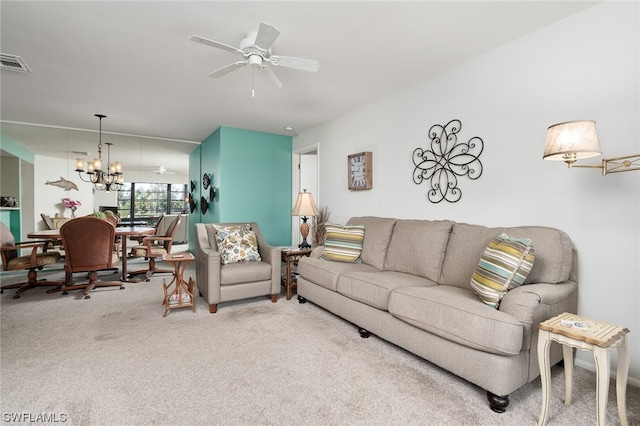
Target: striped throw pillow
504,265
343,243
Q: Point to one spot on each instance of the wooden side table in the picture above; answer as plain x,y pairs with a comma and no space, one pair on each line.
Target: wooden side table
290,257
597,337
182,294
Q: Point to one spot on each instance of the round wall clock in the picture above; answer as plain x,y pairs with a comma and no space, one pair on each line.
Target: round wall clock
360,171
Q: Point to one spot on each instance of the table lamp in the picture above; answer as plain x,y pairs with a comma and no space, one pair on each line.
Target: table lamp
304,207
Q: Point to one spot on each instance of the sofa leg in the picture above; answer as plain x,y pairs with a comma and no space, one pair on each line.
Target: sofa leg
497,403
274,298
302,299
364,333
213,308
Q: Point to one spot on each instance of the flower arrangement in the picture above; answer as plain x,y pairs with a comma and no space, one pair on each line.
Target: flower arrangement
71,204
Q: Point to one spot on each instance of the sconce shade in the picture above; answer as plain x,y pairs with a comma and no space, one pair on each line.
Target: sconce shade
572,141
305,205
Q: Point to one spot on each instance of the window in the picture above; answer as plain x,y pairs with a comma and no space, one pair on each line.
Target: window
139,200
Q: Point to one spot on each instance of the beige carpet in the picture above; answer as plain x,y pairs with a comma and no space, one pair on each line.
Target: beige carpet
114,360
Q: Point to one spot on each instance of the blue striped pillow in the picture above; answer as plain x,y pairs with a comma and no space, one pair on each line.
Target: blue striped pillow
504,265
343,243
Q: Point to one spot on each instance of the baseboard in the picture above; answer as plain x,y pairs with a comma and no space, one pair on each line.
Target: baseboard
592,367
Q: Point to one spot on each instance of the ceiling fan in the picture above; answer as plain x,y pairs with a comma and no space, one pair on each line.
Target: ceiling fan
255,48
161,170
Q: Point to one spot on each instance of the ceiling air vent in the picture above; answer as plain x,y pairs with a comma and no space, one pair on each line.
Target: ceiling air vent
13,63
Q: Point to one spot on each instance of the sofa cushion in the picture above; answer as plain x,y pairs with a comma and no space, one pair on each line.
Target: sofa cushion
343,243
418,247
325,274
247,272
373,288
504,265
554,253
376,238
237,243
457,314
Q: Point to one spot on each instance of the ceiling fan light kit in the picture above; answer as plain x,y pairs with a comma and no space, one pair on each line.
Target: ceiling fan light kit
256,50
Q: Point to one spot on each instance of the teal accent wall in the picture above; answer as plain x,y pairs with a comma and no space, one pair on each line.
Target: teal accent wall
11,172
8,145
194,171
251,172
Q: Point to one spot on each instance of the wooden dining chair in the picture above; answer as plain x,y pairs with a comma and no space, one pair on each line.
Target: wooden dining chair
88,242
154,246
48,221
139,238
13,261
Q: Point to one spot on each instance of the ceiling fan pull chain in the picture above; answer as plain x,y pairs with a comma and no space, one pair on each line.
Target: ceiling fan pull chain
253,82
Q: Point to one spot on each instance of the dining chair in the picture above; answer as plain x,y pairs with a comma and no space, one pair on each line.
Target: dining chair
48,221
13,261
154,246
139,238
88,242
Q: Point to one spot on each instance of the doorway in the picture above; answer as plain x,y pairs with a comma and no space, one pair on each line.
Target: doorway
305,176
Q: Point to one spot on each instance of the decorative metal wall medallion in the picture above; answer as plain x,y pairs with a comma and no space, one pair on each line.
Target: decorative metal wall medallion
204,205
192,203
445,160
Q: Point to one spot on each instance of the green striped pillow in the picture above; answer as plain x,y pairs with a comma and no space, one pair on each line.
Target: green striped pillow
504,265
343,243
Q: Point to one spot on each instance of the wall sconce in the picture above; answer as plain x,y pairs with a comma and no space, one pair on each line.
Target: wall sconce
575,140
304,207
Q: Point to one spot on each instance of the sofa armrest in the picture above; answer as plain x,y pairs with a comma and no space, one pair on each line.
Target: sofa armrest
316,252
271,255
207,266
523,302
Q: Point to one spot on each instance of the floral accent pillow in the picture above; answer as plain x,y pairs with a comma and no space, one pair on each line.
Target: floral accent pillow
237,243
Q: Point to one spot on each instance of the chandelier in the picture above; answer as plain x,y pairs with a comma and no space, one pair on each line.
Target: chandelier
103,180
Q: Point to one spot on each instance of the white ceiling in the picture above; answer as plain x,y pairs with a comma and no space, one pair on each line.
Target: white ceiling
133,62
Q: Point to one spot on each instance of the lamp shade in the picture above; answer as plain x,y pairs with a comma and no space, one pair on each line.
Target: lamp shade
305,205
572,141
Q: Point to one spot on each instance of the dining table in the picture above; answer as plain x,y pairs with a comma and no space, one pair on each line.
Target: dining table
121,231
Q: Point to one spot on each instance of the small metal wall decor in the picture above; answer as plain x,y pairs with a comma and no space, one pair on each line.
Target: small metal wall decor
192,203
445,160
204,205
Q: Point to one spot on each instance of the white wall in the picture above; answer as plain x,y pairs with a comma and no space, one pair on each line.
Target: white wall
583,67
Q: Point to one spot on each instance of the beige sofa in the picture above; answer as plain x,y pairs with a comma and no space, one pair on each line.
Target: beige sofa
413,289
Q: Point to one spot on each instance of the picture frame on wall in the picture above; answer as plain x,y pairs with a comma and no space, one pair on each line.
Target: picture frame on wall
360,171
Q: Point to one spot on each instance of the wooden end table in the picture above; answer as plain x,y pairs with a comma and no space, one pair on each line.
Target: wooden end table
182,294
595,336
290,257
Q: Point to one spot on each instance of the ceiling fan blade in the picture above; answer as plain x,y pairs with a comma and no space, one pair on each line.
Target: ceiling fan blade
271,76
215,44
297,63
267,35
226,70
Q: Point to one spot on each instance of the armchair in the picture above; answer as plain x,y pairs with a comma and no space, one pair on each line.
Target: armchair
88,243
155,246
234,281
12,261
